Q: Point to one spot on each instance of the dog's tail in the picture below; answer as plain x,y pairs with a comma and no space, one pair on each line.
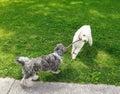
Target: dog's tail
21,60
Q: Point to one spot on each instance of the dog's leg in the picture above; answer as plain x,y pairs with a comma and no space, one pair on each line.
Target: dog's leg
75,53
23,82
77,48
73,49
26,78
26,81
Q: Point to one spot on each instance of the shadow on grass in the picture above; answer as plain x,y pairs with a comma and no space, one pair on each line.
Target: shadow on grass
78,70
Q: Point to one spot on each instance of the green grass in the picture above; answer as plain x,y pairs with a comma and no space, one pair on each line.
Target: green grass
33,28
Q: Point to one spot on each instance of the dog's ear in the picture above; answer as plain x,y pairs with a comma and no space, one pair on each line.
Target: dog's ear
90,40
79,36
56,48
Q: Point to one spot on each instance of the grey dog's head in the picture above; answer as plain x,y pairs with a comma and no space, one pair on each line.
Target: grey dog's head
60,49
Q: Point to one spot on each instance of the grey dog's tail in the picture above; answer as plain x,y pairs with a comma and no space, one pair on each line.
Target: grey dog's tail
19,62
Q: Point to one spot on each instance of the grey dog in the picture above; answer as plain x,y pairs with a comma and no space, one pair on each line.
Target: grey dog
49,62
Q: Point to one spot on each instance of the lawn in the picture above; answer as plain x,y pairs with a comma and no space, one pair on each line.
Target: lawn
33,28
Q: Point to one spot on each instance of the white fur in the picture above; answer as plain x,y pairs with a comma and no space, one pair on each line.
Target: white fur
84,35
25,59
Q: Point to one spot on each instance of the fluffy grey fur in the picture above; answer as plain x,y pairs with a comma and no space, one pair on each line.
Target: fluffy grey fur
49,62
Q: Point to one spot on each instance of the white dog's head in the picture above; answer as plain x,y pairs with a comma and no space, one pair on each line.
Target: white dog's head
85,35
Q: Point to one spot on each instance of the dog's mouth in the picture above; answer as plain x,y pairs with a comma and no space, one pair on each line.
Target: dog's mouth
84,41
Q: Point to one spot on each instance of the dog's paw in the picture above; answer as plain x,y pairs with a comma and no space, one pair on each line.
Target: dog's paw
35,77
23,82
26,83
56,72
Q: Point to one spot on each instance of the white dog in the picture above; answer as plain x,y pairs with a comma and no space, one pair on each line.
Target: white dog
82,36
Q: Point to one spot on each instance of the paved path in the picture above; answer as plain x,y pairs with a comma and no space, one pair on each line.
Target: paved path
12,86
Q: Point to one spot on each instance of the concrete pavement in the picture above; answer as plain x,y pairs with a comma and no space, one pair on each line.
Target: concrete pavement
12,86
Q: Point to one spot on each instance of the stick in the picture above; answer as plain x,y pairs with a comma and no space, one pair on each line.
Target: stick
72,43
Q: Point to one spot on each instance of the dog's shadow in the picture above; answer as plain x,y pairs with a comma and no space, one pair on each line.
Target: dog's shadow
69,70
64,76
88,55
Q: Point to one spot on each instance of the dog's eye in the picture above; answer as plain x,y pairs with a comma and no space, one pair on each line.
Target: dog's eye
84,35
